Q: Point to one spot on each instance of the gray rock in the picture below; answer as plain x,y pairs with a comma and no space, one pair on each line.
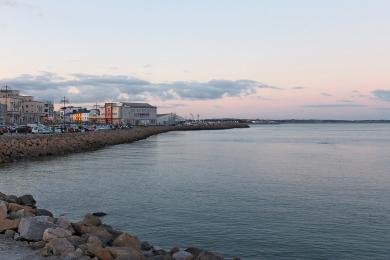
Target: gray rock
58,232
27,200
146,246
32,228
60,247
99,214
44,212
182,255
12,199
91,220
76,240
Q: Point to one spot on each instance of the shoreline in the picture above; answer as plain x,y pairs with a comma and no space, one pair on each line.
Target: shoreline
30,232
14,148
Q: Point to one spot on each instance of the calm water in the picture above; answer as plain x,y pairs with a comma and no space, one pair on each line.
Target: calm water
269,192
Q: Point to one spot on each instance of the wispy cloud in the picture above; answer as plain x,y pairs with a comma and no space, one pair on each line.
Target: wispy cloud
325,94
82,88
298,88
335,105
382,94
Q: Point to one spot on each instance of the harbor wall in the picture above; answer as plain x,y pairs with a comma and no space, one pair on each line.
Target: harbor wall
18,147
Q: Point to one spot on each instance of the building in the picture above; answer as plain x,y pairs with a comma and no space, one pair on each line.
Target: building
3,113
139,114
169,119
111,113
21,109
32,111
80,116
48,110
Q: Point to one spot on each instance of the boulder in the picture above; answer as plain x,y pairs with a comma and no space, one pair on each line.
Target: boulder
194,251
27,200
3,196
60,247
102,234
91,220
146,246
205,255
99,214
32,228
37,245
44,212
9,224
13,207
182,255
95,248
57,232
76,240
3,210
126,253
126,240
12,199
21,213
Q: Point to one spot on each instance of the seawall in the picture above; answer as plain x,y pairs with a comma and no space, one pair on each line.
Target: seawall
24,147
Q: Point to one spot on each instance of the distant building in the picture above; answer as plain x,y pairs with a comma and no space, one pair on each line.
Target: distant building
111,113
80,116
3,113
139,114
48,110
21,109
169,119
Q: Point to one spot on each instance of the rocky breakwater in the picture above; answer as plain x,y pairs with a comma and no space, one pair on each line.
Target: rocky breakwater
21,147
59,238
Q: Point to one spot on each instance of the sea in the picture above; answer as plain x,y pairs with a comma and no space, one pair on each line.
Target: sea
289,191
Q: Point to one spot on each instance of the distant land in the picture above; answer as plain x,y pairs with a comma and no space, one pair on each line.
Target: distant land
299,121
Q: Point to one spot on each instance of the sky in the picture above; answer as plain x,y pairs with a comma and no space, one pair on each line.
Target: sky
271,59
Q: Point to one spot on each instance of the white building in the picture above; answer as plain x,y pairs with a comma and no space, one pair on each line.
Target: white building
139,114
169,119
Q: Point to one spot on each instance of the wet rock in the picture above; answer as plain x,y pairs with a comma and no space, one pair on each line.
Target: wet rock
27,200
32,228
182,255
146,246
58,232
126,240
99,214
44,212
205,255
2,196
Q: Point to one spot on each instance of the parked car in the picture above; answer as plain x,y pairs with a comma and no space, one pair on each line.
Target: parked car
39,129
23,129
3,129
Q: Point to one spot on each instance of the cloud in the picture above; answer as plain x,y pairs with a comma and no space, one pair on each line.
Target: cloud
298,88
335,105
84,88
381,94
326,94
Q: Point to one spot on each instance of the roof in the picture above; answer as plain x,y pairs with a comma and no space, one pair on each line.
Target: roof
138,105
